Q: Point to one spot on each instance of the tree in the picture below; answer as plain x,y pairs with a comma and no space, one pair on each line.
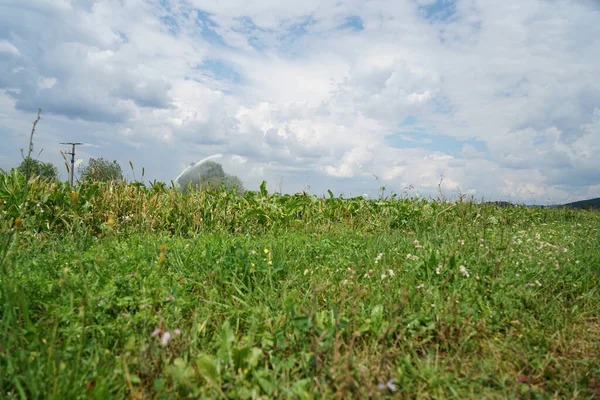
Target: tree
209,176
30,166
232,182
99,169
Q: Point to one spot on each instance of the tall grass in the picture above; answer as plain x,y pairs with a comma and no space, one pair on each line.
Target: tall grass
117,290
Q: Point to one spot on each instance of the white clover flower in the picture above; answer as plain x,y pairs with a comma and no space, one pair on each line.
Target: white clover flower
390,272
383,276
463,270
388,385
421,286
438,270
378,258
165,339
156,332
411,257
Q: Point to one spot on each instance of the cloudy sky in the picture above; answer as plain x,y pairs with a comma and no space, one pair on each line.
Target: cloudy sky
501,99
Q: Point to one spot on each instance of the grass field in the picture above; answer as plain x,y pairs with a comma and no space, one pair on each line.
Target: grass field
121,291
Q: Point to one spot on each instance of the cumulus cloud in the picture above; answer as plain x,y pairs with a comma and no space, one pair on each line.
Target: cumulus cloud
492,99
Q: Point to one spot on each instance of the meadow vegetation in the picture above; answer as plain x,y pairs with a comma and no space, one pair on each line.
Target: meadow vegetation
114,290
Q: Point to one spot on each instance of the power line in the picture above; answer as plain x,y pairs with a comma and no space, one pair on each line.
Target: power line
72,154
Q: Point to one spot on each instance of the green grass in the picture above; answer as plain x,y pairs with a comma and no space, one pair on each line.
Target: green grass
284,296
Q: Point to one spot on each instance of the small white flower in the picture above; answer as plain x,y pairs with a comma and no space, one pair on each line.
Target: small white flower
388,385
165,339
438,270
391,272
463,270
421,286
378,257
461,242
156,332
383,276
411,257
345,282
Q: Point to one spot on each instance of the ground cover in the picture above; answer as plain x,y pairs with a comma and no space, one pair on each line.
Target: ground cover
121,291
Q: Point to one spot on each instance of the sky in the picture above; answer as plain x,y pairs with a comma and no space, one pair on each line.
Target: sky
495,100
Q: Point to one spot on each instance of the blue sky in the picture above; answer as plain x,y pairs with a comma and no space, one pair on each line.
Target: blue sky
499,100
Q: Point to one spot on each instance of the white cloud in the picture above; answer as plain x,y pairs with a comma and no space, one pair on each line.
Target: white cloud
282,90
46,83
8,48
468,151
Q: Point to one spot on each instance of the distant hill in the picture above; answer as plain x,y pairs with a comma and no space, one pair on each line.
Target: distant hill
585,204
593,204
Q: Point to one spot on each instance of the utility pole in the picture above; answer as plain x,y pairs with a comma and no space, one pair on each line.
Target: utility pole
72,154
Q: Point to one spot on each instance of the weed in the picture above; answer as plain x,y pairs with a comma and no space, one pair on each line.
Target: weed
117,290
